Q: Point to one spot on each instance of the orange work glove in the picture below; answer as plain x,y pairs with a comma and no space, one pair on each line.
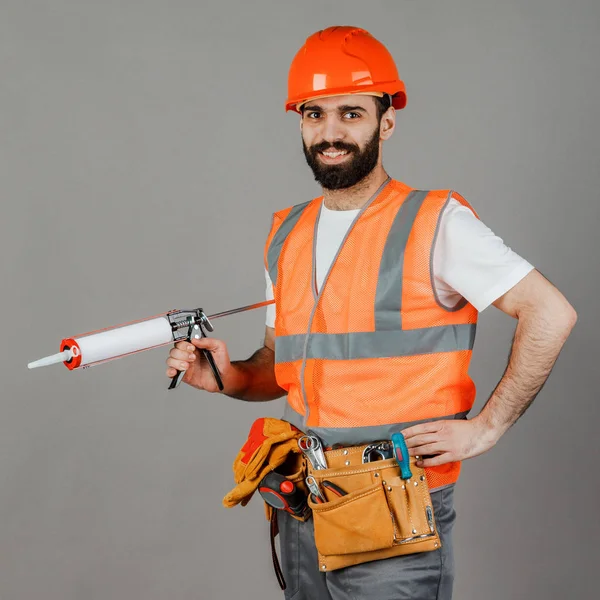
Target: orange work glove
269,443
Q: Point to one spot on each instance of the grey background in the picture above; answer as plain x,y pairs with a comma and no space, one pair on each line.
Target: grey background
143,149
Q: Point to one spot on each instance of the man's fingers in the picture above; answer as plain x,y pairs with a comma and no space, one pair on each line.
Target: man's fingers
184,345
423,438
410,432
208,343
425,449
179,354
180,365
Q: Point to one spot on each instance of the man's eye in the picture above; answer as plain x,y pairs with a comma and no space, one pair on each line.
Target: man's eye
312,112
353,113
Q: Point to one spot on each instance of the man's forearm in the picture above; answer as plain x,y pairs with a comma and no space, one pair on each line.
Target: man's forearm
537,342
253,379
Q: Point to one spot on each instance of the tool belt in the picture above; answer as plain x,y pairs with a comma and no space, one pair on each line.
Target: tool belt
381,514
368,502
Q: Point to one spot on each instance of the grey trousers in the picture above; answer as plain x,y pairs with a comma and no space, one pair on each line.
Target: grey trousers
422,576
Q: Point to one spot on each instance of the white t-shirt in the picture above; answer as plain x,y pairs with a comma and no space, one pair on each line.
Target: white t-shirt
469,260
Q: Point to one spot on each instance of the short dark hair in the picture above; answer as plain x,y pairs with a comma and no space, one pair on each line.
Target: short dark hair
382,103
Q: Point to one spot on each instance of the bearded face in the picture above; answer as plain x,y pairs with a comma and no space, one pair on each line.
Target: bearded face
339,165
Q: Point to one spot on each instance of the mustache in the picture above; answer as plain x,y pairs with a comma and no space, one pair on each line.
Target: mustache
321,146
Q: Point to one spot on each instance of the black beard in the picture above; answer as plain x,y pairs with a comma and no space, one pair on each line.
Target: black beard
349,173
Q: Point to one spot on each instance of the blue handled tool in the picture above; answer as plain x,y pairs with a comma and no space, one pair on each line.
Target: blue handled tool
401,455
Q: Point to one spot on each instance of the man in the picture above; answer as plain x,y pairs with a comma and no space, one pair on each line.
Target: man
378,288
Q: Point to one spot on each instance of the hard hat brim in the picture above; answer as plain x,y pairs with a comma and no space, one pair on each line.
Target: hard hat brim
395,89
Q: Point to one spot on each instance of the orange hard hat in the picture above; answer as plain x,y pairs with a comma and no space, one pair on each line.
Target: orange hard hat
343,60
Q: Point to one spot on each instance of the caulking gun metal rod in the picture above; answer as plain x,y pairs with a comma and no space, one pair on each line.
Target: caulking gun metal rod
242,309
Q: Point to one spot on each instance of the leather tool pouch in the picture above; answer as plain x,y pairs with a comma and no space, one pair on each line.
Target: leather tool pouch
382,515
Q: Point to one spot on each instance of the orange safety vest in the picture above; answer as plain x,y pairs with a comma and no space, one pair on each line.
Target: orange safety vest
374,350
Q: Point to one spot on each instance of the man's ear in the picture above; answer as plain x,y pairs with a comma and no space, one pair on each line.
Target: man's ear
388,123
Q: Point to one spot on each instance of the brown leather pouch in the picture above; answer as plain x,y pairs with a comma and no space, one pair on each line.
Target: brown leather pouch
381,515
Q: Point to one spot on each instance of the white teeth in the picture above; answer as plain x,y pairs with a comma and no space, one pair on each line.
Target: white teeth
334,154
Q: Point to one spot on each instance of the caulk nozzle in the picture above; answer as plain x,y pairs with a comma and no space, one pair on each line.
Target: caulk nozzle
50,360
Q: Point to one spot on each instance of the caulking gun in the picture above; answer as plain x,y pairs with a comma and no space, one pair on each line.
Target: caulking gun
100,346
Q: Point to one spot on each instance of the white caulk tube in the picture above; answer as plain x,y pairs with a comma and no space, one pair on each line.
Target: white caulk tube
96,347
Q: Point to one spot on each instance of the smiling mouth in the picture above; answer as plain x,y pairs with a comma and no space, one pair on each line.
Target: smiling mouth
335,153
333,156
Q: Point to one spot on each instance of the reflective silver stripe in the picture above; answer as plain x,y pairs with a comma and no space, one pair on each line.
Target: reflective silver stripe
280,236
353,436
388,297
289,348
376,344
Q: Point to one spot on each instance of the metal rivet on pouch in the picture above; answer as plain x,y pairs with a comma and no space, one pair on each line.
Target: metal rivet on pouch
345,452
435,545
383,482
403,487
389,488
418,457
375,474
422,477
324,567
414,531
347,462
416,483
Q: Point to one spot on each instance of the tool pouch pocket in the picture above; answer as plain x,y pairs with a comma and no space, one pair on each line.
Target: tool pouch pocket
381,515
358,522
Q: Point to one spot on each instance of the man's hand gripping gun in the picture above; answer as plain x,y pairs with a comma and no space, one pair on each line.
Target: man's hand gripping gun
100,346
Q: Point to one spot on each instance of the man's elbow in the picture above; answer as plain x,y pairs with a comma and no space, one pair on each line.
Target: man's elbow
553,312
564,316
570,317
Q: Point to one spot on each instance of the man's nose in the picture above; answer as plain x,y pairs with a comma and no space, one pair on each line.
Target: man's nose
332,130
